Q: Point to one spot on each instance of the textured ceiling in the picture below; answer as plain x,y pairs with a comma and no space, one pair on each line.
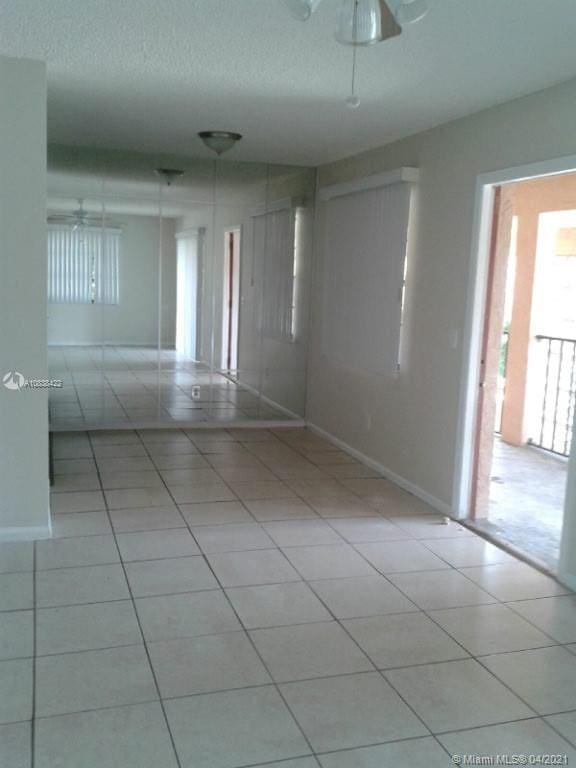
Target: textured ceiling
147,75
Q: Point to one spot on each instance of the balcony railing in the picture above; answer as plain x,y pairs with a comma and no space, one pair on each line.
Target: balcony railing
556,398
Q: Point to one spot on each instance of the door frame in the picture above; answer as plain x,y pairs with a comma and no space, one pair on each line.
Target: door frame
231,299
476,308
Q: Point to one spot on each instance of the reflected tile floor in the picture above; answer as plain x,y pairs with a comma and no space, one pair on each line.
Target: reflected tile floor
122,386
288,613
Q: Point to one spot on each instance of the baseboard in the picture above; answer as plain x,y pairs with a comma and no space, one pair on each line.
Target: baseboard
267,400
25,533
388,474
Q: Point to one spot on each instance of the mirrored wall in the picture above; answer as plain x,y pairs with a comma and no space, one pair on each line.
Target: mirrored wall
176,300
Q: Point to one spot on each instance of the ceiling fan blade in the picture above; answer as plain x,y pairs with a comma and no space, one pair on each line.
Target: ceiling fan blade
388,24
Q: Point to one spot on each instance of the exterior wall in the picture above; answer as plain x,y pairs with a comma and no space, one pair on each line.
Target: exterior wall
529,200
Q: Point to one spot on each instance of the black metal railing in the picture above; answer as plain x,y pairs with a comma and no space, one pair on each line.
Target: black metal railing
557,364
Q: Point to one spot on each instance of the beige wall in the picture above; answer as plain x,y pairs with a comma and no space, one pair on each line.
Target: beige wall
409,423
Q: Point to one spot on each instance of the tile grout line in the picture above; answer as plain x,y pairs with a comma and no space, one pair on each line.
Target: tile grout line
251,641
150,666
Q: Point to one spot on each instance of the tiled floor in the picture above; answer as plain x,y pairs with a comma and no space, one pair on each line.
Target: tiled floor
120,386
245,598
527,500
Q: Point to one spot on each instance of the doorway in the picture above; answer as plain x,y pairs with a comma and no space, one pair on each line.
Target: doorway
527,368
187,293
231,301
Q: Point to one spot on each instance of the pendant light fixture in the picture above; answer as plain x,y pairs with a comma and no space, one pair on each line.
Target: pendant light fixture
219,141
365,22
168,174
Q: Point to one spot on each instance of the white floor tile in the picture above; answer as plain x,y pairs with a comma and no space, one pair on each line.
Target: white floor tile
486,629
74,586
156,545
16,690
75,682
204,664
554,615
456,695
199,493
530,737
16,556
295,533
82,501
186,615
267,510
517,581
544,678
16,635
232,537
86,627
417,753
350,711
276,605
16,591
138,497
15,745
328,562
235,728
146,519
80,524
166,577
77,551
403,639
259,566
216,513
440,589
566,725
400,557
131,737
468,551
361,596
309,650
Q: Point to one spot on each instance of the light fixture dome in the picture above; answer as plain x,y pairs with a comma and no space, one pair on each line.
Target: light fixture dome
365,22
411,11
168,174
302,9
219,141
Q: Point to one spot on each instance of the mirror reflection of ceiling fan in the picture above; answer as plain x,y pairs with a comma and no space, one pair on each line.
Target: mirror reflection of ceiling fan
78,219
365,22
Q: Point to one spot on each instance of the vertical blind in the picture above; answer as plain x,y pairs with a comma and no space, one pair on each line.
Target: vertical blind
83,265
364,257
274,244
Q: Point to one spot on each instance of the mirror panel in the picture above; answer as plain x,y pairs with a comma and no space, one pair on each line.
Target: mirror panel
198,304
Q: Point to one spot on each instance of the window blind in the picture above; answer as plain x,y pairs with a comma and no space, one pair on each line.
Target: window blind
83,265
274,245
364,257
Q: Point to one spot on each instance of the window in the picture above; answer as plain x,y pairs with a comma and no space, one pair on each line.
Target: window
364,265
83,265
275,250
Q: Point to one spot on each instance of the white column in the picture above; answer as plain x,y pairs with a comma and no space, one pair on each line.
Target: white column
24,484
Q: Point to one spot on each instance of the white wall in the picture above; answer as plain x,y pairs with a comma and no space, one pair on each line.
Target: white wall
408,424
24,506
135,319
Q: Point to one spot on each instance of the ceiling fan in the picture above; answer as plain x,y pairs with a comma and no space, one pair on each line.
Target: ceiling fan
78,219
365,22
